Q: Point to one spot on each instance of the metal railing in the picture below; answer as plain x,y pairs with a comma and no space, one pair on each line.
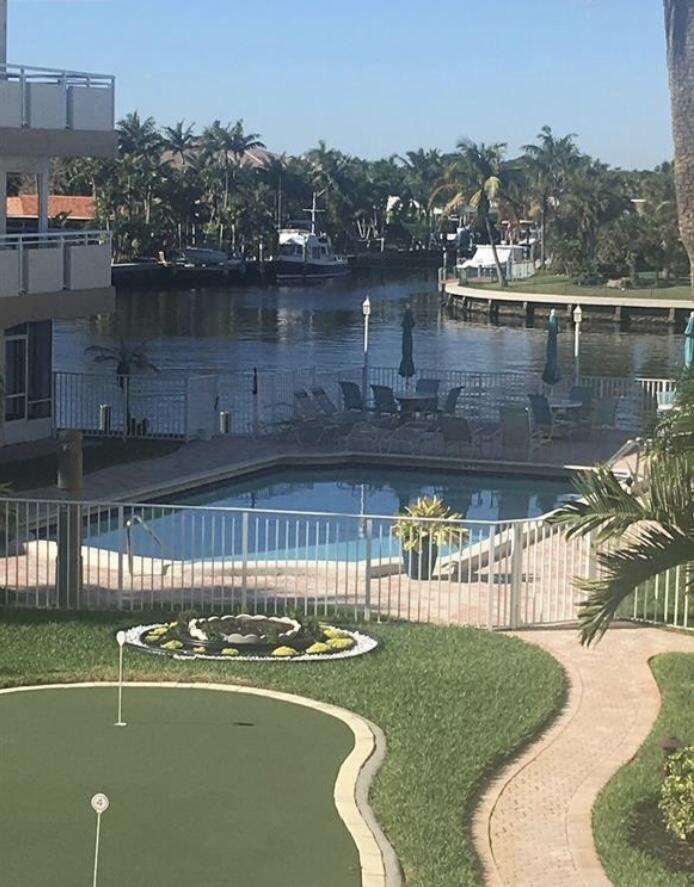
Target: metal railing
19,98
90,555
176,405
46,262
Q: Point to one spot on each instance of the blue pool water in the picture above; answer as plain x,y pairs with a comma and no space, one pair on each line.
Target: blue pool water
207,533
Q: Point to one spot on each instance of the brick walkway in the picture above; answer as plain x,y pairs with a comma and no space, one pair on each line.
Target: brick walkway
533,825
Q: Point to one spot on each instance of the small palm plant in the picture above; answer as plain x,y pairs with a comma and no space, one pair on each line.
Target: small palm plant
422,528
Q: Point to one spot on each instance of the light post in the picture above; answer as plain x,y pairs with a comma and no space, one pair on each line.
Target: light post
366,311
578,318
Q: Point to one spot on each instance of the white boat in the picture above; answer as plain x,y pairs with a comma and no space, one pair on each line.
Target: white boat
304,255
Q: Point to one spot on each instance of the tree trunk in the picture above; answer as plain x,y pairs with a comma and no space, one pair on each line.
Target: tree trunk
679,30
501,277
543,235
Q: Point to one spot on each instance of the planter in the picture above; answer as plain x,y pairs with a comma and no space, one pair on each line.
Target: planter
420,564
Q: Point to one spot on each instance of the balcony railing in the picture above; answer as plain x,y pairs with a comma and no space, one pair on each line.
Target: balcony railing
43,98
57,260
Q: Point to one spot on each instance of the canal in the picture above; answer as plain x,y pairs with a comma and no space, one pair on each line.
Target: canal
228,328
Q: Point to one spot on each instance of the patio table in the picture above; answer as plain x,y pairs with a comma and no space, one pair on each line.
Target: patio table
415,402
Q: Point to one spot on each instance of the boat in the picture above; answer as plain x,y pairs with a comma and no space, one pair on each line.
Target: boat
305,255
203,257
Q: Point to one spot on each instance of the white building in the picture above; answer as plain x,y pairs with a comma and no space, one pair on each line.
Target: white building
46,275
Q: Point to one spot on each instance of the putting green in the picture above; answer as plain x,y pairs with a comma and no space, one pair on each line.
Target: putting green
206,788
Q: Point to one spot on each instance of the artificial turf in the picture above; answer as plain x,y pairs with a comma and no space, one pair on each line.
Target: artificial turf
454,704
204,788
630,836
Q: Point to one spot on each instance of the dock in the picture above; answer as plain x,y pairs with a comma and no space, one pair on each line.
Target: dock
618,308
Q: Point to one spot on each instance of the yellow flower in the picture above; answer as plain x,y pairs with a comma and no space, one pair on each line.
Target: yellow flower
343,643
230,651
198,649
318,648
172,645
331,632
284,651
152,638
159,630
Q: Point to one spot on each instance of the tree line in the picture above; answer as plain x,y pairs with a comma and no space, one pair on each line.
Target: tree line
172,186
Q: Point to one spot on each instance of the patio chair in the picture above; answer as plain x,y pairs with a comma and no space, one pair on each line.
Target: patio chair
582,394
605,412
544,421
306,409
429,386
334,418
384,400
457,434
665,400
516,432
351,397
451,401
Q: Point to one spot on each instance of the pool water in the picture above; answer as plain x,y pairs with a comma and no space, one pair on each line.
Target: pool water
208,533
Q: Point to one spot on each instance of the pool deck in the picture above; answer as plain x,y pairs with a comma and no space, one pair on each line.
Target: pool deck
204,462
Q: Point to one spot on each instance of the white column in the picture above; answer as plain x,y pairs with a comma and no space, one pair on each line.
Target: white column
3,32
42,182
3,198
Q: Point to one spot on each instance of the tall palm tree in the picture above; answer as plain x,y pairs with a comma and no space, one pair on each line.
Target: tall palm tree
679,31
550,163
180,141
126,357
476,178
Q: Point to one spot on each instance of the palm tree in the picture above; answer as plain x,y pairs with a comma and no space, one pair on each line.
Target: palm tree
679,31
127,358
180,140
549,165
476,177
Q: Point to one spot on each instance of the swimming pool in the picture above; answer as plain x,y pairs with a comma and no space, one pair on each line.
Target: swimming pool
207,532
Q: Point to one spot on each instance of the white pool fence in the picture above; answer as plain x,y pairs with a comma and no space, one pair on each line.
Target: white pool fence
143,557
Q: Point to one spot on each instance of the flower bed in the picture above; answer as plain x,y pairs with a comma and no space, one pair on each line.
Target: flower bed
249,638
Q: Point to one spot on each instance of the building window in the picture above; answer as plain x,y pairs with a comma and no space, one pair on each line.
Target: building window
28,366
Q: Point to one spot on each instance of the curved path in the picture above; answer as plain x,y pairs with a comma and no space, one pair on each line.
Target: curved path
533,825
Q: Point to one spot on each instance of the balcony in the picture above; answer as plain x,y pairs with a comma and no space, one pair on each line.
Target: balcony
74,262
45,112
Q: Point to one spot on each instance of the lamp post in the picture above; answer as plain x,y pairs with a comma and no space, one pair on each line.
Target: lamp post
120,637
100,805
366,311
578,319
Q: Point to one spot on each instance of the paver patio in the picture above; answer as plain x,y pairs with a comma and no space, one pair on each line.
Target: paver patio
533,825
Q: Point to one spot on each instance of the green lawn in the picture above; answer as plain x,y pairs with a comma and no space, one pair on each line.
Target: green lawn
632,841
205,788
560,285
41,471
454,703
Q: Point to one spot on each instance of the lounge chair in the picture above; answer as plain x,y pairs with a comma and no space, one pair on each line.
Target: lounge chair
582,394
544,422
516,433
605,412
384,400
457,434
451,401
352,398
665,400
429,386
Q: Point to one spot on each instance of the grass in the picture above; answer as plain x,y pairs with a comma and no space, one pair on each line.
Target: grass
41,471
202,785
632,841
454,703
560,285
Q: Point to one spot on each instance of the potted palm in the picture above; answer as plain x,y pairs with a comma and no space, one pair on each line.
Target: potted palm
422,529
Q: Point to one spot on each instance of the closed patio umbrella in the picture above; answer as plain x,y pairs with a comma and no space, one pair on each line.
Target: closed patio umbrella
407,369
551,374
689,343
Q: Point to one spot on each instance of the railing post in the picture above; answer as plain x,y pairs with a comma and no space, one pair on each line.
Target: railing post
244,560
516,573
367,570
121,530
490,567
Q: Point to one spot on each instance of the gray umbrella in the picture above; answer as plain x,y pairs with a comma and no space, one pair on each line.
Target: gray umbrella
407,369
551,374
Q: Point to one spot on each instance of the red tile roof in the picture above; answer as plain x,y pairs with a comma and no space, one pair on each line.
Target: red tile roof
26,206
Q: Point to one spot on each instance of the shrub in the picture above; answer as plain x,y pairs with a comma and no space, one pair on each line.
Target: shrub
230,651
172,645
284,651
438,526
318,648
340,643
677,794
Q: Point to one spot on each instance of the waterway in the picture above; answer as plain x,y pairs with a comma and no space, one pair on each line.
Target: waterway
227,328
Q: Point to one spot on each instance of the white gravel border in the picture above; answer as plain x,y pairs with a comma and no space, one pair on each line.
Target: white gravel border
364,643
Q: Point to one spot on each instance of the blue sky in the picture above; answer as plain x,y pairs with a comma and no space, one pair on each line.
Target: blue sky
374,77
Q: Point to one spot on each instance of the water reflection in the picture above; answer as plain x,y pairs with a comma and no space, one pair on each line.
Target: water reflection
228,328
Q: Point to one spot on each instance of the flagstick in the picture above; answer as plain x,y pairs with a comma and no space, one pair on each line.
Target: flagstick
120,637
99,805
